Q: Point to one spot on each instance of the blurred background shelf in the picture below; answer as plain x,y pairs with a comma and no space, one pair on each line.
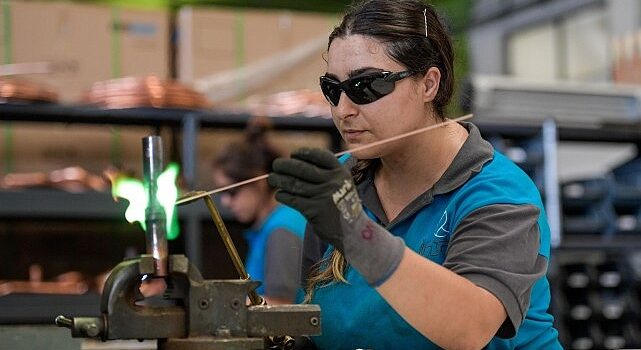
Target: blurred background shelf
43,308
185,126
151,116
93,115
600,242
613,133
59,204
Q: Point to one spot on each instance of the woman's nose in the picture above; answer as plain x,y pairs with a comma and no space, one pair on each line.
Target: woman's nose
345,107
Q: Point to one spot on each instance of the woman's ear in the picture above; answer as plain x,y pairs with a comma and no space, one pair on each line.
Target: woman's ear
430,83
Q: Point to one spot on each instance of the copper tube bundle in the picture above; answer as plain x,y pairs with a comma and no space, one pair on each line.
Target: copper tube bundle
23,91
296,102
71,179
71,282
27,287
148,91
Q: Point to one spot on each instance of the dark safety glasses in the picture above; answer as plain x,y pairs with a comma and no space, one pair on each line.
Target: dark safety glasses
362,89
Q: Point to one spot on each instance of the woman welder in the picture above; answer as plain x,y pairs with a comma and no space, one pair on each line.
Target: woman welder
435,240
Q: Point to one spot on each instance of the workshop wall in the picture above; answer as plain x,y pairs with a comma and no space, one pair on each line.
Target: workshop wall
229,54
81,44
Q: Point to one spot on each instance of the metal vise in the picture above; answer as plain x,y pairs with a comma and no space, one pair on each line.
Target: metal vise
209,314
202,314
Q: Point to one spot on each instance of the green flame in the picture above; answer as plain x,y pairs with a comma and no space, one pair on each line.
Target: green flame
133,190
167,195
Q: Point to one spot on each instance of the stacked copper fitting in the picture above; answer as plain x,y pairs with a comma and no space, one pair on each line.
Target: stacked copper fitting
148,91
72,179
289,103
15,90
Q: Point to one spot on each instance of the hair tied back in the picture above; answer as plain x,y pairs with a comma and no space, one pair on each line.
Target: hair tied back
256,128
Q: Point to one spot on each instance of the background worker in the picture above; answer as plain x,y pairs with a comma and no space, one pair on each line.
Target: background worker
275,236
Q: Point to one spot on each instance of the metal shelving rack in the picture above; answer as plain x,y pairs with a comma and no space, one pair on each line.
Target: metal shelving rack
47,203
614,133
59,204
588,249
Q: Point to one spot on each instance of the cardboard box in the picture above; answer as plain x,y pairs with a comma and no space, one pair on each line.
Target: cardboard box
144,42
207,42
285,31
32,147
214,41
84,43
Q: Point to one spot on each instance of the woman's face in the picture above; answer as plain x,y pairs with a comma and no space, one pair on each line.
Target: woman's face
400,111
244,202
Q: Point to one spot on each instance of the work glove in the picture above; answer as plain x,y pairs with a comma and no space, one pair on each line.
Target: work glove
314,182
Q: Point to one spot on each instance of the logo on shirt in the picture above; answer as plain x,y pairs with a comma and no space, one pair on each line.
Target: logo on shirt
442,231
435,247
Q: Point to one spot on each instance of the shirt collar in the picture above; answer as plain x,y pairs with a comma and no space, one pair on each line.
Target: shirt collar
470,159
474,153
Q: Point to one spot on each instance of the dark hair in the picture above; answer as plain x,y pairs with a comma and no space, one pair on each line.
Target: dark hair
400,25
250,157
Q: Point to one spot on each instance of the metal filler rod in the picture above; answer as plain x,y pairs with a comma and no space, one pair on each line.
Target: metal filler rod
155,216
189,197
231,248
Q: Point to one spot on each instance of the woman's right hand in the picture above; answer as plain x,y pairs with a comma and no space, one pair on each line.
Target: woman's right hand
316,184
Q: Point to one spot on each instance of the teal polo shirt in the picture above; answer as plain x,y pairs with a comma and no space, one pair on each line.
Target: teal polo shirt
485,221
274,252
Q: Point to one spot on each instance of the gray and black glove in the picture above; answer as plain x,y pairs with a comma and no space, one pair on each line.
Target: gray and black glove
315,183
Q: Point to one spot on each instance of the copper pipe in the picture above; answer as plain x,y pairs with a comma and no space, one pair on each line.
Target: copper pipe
155,216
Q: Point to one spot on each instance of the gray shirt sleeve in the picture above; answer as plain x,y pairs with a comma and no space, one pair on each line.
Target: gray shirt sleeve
282,264
496,247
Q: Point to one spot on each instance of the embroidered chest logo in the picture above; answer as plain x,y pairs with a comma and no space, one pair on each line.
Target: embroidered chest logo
442,230
436,245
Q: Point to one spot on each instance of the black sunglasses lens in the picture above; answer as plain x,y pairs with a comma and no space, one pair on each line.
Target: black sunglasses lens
382,86
331,90
367,89
361,90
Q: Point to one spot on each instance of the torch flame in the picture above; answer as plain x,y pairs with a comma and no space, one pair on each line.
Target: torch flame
167,194
133,191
